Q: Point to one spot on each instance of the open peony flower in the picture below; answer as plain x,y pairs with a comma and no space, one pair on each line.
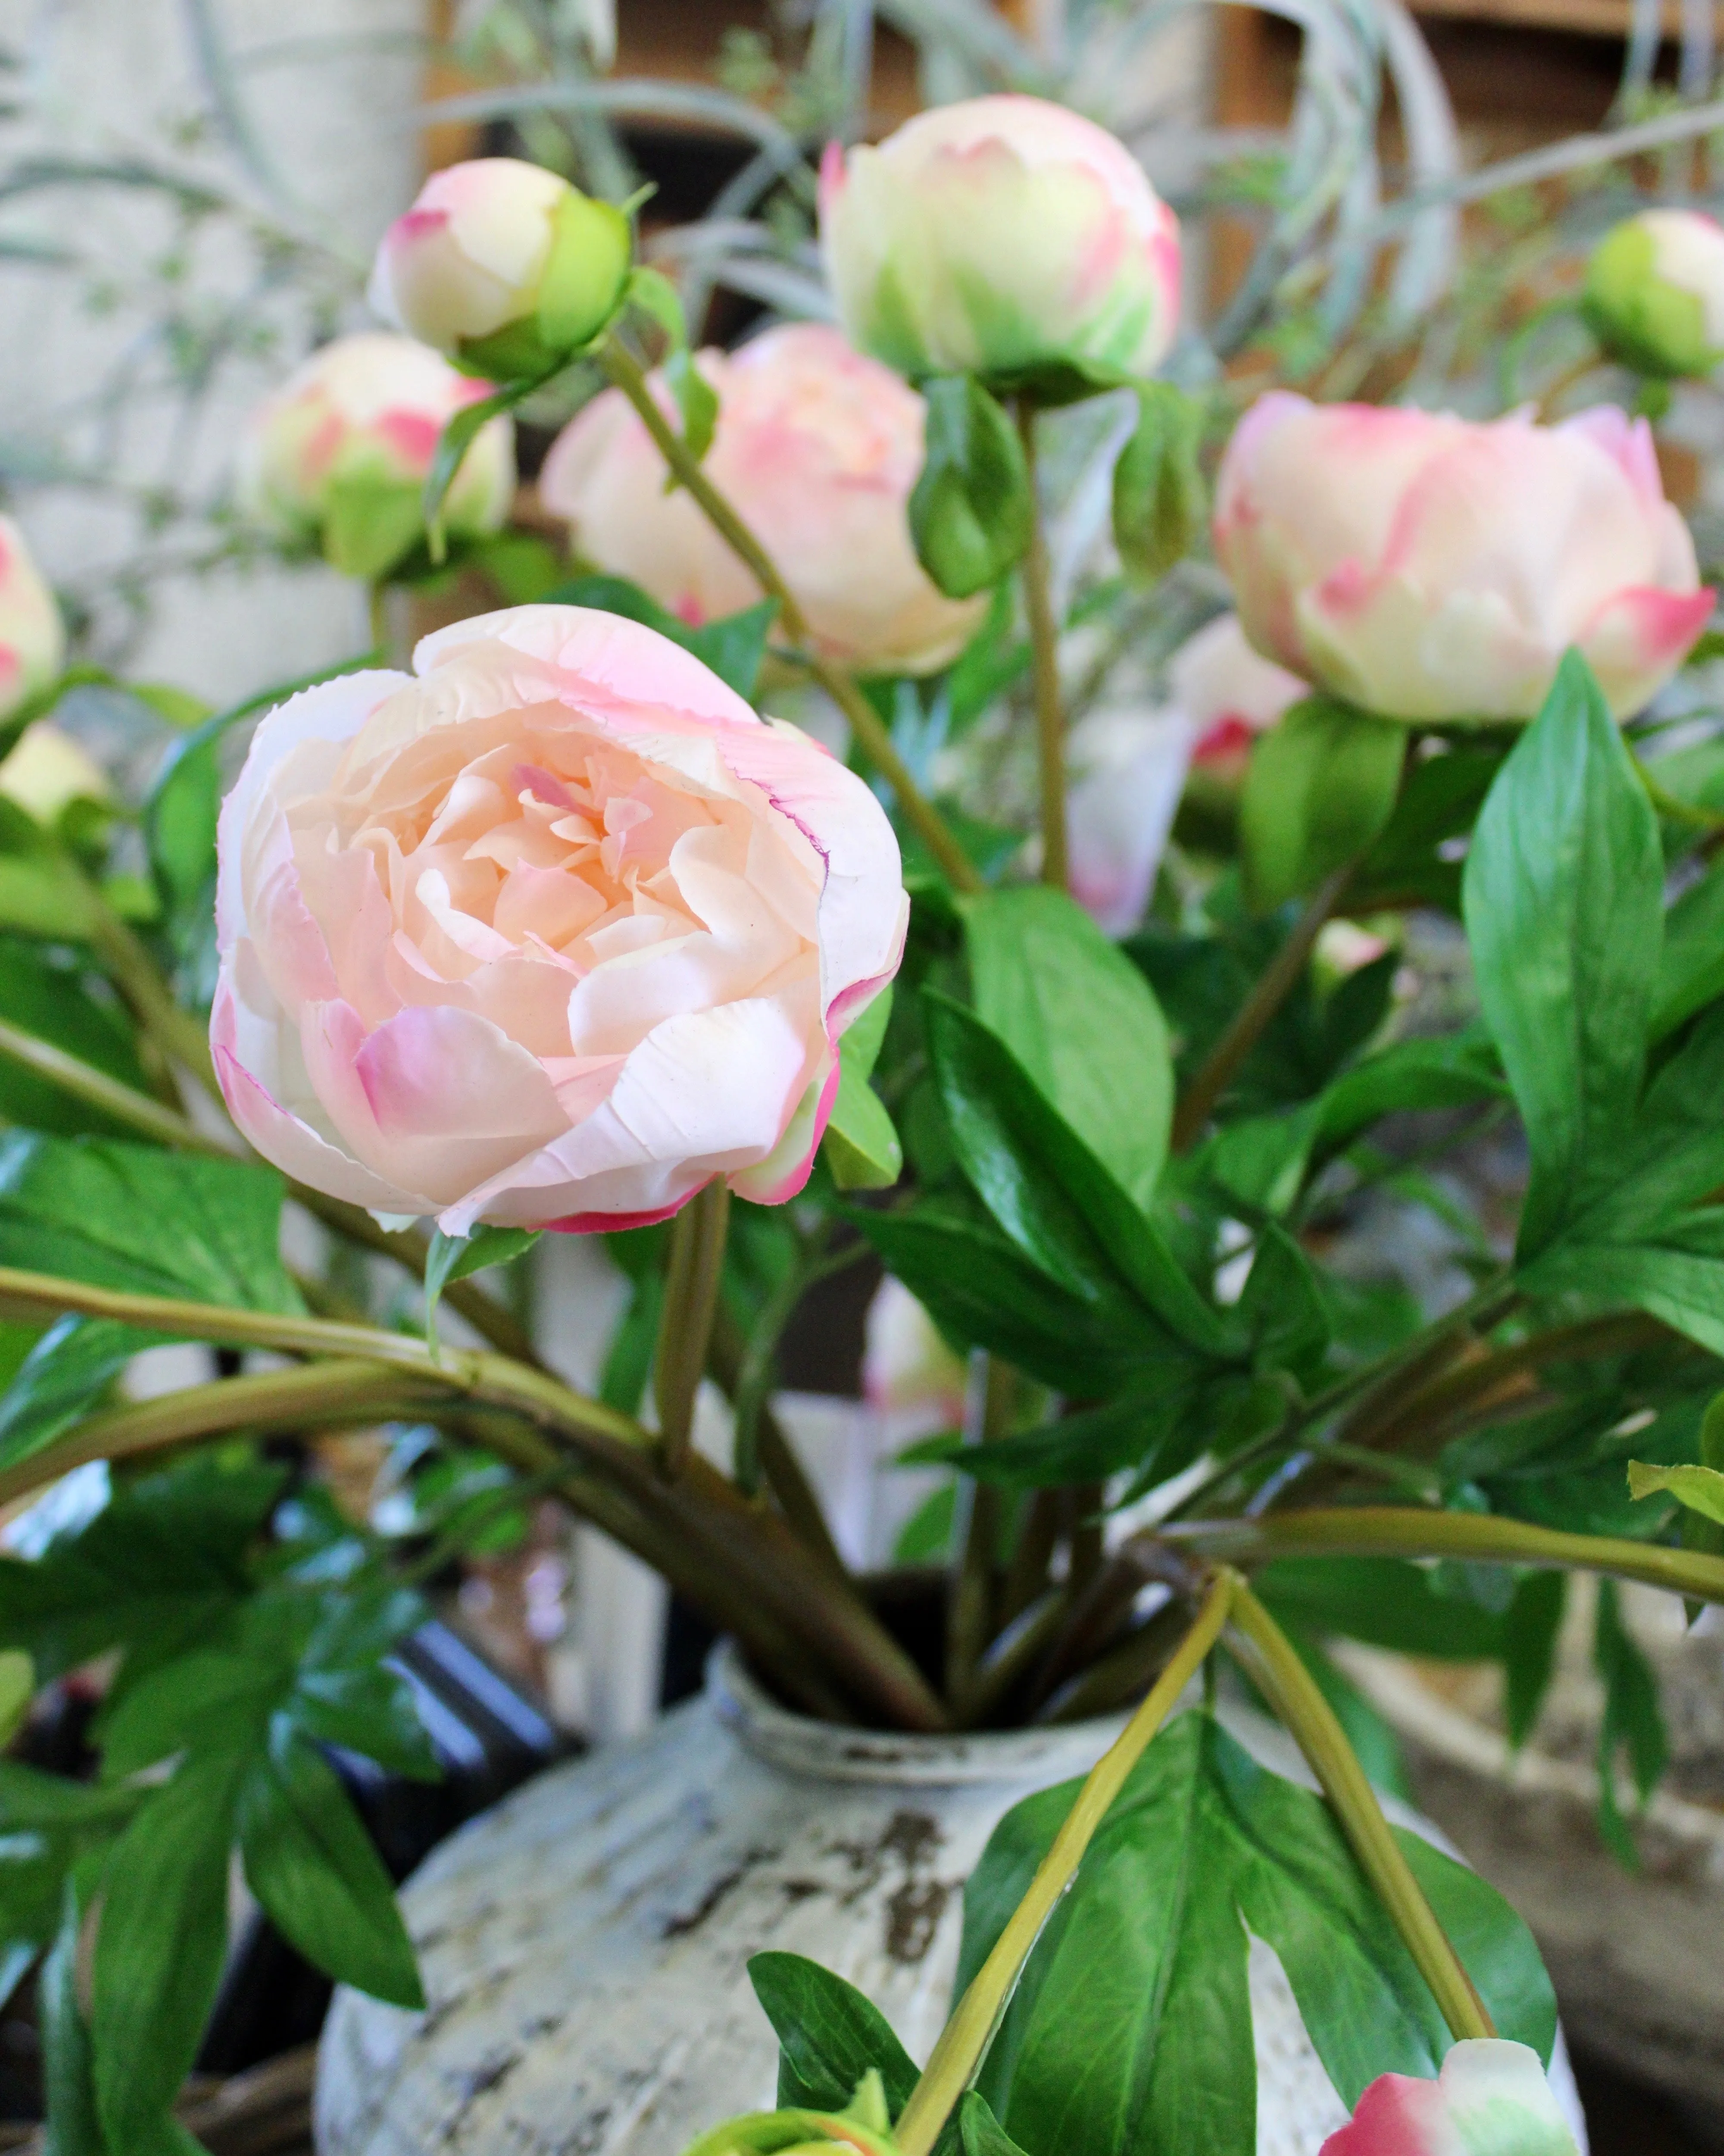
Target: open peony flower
338,456
551,935
1490,2099
503,265
1431,567
33,637
817,449
1654,292
1002,236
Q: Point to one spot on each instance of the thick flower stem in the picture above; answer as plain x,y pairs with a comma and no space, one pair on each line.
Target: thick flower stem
697,1240
1222,1064
964,2041
1293,1693
1044,651
1482,1537
931,827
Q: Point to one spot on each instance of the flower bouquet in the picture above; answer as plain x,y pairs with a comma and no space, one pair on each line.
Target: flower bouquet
556,931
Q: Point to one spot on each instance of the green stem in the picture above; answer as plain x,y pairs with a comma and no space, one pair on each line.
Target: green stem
1045,652
964,2041
181,1038
121,1103
1292,1692
697,1240
346,1393
778,1461
1483,1537
1222,1064
866,722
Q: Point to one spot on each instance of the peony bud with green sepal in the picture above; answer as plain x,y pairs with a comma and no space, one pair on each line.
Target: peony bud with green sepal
1654,293
504,267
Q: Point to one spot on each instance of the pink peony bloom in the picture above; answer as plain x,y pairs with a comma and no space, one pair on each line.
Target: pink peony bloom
497,245
1430,567
33,638
1001,237
549,934
817,449
1490,2099
338,456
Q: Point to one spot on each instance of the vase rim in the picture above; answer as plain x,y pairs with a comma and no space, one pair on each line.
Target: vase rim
833,1752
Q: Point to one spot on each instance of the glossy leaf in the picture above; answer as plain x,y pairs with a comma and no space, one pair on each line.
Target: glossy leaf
829,2036
1563,900
1691,968
1531,1627
453,1257
1320,788
1088,1446
62,1377
51,992
132,1217
861,1144
1083,1022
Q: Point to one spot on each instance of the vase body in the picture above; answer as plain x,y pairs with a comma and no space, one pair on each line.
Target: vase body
584,1946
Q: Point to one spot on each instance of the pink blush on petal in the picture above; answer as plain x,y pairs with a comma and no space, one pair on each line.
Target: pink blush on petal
605,1224
412,435
1397,2116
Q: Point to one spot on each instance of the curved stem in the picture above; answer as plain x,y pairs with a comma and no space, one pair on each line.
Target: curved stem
866,722
122,1103
1290,1690
964,2041
1484,1537
1222,1065
1044,651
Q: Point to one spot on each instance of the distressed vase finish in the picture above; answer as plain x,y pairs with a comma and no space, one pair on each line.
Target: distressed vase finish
584,1946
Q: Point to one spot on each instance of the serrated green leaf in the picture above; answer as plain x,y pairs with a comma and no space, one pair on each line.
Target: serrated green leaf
829,2036
133,1216
1321,788
315,1870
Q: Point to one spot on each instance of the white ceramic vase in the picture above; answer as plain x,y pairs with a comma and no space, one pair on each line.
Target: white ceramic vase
584,1946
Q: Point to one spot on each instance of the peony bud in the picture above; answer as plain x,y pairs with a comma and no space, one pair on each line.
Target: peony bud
550,933
48,771
33,638
338,456
1429,567
504,266
818,450
1005,237
1490,2099
1654,293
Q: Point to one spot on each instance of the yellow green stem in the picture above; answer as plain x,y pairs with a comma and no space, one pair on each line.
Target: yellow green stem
931,827
1044,653
697,1240
1292,1691
964,2041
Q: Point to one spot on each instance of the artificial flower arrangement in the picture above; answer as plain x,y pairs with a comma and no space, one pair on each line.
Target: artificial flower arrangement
557,932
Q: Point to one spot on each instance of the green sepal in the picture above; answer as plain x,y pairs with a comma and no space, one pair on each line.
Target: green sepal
1158,494
970,510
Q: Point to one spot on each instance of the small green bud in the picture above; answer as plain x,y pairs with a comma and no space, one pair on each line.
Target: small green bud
970,512
1158,495
1655,293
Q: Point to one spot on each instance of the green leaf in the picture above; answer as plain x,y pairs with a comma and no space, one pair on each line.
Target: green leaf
1563,900
132,1217
1081,1019
979,2132
317,1874
1283,1306
1382,1601
453,1257
829,2036
370,522
659,299
1085,1447
1530,1626
696,400
73,2127
214,1698
970,511
1691,968
1699,1489
160,1944
1140,1972
1158,502
1320,788
62,1377
1447,1070
1632,1721
51,991
459,432
1052,1196
861,1145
